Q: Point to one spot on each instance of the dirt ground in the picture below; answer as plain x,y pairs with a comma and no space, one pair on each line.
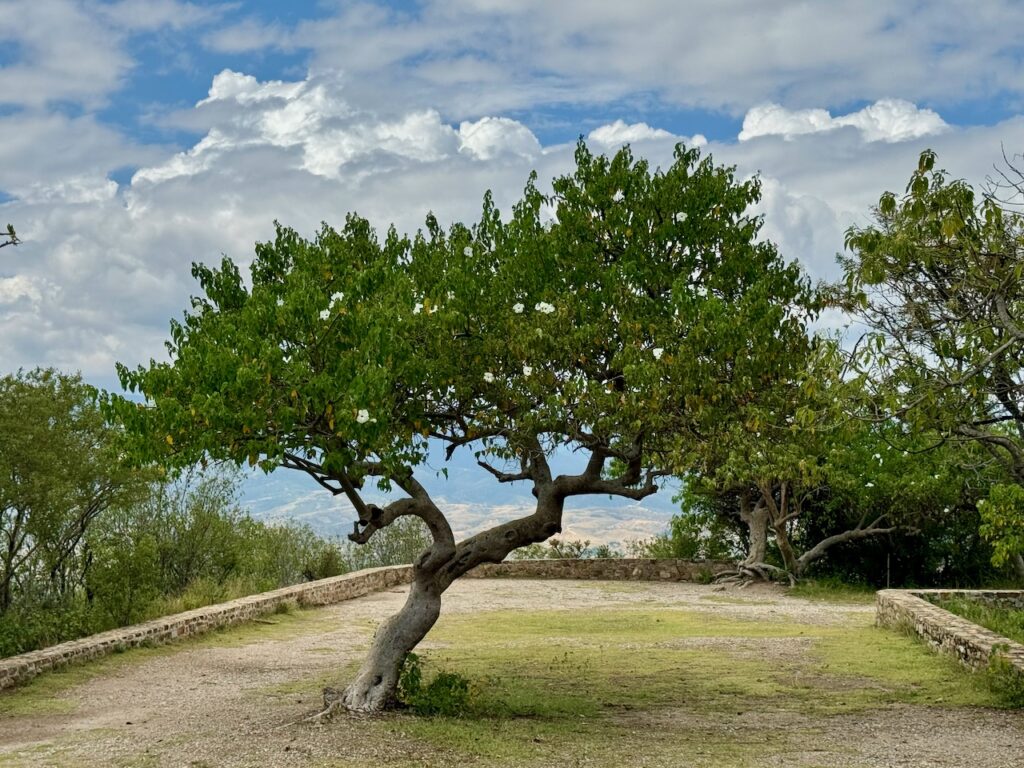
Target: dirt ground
231,701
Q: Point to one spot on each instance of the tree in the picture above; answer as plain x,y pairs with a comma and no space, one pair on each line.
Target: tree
939,279
11,237
59,469
624,329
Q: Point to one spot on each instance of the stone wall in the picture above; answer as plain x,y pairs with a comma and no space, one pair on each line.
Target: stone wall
18,669
612,569
946,632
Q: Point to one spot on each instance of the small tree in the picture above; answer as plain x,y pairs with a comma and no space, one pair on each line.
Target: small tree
625,329
939,278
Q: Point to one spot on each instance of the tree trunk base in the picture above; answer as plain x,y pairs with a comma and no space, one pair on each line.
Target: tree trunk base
748,573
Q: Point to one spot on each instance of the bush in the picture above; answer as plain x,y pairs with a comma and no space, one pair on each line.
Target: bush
446,695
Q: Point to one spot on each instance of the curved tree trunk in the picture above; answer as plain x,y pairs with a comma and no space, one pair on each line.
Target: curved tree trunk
756,520
375,686
1018,564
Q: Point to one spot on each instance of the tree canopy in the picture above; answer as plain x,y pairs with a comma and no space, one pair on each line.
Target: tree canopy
938,280
625,316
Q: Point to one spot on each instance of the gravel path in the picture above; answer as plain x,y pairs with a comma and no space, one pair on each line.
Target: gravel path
223,703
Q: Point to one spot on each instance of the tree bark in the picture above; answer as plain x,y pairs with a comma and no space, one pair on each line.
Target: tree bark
374,688
756,520
1018,564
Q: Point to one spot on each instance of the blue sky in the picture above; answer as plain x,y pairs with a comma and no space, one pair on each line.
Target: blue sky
138,136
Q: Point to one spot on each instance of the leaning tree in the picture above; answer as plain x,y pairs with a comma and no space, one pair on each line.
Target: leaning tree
622,318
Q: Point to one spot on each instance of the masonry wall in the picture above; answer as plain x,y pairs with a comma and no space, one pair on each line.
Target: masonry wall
946,632
613,569
18,669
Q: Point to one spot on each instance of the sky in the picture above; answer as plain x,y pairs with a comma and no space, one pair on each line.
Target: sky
138,136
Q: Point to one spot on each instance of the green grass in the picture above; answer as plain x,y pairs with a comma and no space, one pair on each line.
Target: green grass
833,590
559,687
1004,621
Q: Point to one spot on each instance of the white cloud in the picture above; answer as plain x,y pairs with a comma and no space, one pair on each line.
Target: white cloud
75,51
470,57
621,133
327,135
885,120
19,287
492,137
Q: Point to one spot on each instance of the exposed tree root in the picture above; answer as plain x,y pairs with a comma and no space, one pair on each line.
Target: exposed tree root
747,573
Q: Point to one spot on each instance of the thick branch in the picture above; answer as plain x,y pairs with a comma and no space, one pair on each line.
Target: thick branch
819,549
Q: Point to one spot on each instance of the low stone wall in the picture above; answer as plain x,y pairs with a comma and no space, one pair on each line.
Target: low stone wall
946,632
611,569
18,669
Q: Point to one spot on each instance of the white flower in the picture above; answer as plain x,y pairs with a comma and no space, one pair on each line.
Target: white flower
543,306
363,416
946,510
702,291
518,307
417,308
527,370
869,485
657,352
467,251
617,196
489,377
280,302
877,456
337,296
680,217
325,314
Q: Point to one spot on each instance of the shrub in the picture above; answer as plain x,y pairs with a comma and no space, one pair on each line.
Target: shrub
446,695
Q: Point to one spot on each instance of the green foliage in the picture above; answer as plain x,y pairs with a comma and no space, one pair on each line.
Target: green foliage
698,533
1002,521
1006,680
11,237
60,470
1003,620
938,280
561,549
447,695
400,543
631,323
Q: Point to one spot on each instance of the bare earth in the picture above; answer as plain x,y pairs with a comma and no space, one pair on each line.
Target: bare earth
224,703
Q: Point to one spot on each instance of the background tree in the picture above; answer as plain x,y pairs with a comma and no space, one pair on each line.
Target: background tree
939,279
10,238
624,329
59,470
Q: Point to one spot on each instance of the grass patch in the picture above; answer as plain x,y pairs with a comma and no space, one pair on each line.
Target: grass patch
1004,621
726,600
554,687
833,591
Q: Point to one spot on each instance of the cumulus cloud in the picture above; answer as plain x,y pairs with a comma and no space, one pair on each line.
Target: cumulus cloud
885,120
620,132
326,135
472,57
492,137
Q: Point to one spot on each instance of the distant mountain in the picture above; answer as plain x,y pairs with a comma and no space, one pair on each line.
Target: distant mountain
470,498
